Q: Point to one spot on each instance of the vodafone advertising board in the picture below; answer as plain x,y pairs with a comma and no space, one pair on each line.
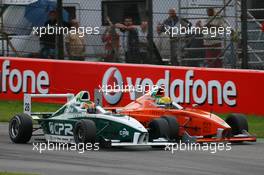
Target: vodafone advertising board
217,90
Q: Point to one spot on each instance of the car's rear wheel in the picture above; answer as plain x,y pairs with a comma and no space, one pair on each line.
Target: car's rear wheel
173,126
159,128
20,128
84,132
238,123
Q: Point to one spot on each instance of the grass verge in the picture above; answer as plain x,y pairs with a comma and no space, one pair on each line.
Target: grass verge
13,173
9,108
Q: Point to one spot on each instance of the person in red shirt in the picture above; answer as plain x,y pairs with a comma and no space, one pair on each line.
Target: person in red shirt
262,31
111,40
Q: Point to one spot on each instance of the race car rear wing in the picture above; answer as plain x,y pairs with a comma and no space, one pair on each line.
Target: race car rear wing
28,97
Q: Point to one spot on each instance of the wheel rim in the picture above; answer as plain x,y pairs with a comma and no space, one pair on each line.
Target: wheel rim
15,127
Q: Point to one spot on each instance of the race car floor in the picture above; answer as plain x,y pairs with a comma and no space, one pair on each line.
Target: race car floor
241,159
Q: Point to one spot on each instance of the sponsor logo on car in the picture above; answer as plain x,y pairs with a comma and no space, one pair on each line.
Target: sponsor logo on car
60,128
124,132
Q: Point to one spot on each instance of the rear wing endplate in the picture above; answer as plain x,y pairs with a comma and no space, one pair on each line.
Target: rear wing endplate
28,97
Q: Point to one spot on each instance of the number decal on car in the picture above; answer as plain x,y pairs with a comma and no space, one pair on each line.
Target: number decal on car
27,107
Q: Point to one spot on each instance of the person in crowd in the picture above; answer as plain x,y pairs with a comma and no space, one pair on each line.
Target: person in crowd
129,40
163,42
74,42
144,48
48,40
213,44
111,38
173,21
262,31
143,42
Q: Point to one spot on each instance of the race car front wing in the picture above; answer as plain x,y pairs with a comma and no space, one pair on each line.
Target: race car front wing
244,137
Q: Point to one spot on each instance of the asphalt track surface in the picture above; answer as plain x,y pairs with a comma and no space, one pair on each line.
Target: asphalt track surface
242,159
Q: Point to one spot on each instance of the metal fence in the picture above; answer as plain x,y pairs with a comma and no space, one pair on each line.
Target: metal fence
155,46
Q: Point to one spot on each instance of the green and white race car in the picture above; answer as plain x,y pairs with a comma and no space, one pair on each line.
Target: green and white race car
81,121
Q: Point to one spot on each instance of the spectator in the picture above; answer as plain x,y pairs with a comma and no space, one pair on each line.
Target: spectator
129,40
213,44
262,31
111,40
48,41
162,42
170,22
74,42
143,42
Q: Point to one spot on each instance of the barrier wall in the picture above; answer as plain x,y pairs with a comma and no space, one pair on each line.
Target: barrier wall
217,90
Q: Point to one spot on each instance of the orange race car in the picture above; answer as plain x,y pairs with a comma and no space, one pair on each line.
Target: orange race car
164,117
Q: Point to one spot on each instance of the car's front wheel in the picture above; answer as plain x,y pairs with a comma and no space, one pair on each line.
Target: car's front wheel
20,128
238,123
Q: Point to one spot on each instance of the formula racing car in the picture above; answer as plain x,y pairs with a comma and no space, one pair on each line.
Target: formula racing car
80,121
155,110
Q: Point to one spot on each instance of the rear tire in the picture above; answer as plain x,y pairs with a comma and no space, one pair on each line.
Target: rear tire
174,127
20,128
158,128
84,132
238,123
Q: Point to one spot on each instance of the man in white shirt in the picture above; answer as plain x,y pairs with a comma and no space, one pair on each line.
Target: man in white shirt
129,40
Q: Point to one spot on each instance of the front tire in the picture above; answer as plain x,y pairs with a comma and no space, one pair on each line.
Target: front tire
20,128
238,123
84,132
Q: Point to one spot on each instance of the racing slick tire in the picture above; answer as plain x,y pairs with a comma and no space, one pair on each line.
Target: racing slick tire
20,128
237,122
174,127
159,128
84,132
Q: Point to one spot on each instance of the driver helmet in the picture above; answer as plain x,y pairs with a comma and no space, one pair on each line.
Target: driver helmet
87,105
90,107
165,101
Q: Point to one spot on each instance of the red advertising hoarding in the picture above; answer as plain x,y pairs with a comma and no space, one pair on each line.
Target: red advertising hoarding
218,90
